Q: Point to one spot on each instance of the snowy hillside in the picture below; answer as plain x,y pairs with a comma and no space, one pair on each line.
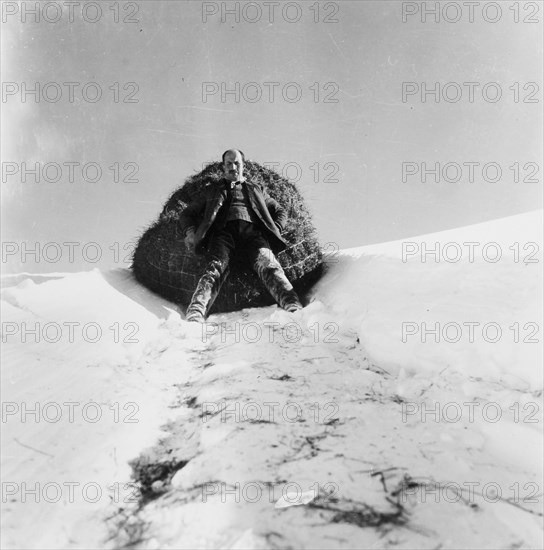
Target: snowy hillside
401,408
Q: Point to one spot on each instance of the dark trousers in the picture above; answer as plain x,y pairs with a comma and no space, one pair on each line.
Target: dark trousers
239,237
244,242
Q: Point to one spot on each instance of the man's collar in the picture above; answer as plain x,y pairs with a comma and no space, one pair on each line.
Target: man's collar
232,184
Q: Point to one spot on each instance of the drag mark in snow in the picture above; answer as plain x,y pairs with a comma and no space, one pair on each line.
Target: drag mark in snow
32,448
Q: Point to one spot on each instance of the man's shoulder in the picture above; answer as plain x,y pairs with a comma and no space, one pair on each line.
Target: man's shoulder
254,184
213,187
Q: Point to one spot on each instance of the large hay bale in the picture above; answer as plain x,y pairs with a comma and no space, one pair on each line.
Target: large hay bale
162,263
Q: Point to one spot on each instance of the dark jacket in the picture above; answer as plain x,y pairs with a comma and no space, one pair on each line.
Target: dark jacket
203,212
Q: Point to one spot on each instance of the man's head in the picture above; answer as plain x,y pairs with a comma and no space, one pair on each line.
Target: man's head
233,164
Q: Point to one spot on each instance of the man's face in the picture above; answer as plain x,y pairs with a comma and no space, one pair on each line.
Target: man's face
233,167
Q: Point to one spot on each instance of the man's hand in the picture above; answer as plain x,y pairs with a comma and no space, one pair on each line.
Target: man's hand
190,240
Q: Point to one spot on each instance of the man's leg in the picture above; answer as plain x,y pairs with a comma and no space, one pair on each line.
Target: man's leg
274,279
215,273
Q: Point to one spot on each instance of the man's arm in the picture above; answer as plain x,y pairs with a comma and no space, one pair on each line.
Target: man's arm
189,218
188,221
277,212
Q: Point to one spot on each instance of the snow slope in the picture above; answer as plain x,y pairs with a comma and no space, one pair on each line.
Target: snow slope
348,408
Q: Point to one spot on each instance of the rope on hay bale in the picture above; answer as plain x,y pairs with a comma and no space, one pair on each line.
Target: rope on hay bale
162,263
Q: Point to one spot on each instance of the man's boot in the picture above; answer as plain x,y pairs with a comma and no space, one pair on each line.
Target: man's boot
206,292
273,277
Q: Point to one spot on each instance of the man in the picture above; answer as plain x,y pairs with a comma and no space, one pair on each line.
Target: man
236,215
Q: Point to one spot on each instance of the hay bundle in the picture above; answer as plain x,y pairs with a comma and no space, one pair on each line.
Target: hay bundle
163,264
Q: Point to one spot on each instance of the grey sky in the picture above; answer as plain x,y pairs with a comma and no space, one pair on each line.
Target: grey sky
361,61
